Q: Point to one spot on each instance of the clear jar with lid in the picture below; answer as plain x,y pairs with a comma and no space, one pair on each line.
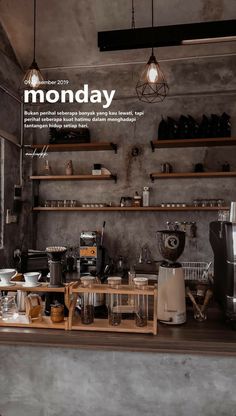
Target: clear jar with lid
141,302
87,301
114,301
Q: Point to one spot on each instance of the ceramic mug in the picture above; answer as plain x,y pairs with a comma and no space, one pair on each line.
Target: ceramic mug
6,275
32,278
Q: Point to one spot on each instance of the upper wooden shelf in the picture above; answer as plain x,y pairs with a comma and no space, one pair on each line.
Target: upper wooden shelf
218,141
76,147
178,175
128,209
73,177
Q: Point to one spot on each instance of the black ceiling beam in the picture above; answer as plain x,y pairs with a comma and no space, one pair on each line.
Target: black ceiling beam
164,35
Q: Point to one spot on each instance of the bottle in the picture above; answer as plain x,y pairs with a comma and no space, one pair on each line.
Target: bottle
87,301
146,194
141,302
69,168
114,301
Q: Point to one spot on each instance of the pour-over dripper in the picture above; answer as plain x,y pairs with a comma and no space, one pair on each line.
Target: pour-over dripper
171,244
55,253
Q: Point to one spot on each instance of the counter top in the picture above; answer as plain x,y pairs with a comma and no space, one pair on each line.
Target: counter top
212,337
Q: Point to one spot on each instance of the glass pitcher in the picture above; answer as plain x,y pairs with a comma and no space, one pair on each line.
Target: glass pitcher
8,308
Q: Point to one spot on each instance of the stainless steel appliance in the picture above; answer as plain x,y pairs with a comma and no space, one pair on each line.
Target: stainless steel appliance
223,242
171,305
91,253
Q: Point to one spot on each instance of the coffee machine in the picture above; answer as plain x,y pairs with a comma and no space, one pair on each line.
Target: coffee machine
171,305
55,255
91,253
223,242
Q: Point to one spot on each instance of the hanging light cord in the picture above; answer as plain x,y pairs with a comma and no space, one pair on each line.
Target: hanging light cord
34,28
133,17
152,21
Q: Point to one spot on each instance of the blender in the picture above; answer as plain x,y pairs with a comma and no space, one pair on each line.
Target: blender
171,307
55,255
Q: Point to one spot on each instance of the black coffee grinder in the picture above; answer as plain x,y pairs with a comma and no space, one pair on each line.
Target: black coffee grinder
55,255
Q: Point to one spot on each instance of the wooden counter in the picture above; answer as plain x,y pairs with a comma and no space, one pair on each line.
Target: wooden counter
210,337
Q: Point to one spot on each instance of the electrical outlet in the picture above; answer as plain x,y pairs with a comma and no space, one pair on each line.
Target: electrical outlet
10,219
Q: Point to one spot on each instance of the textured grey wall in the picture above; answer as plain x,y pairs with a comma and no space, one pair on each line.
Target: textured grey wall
58,382
196,87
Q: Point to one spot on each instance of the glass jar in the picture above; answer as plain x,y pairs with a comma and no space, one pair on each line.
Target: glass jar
141,302
87,301
114,301
8,308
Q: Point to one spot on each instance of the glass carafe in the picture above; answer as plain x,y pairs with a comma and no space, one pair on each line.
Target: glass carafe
87,301
114,302
141,302
8,308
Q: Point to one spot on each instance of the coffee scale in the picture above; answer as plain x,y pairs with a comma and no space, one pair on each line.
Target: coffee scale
171,307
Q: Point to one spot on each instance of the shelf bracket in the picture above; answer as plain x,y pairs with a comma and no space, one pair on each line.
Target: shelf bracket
152,146
152,177
114,177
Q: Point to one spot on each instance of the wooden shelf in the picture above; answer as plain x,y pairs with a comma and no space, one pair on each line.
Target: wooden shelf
127,209
73,177
22,321
218,141
44,287
103,325
75,147
187,175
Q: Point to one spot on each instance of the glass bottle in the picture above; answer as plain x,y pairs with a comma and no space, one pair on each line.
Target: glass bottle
114,302
87,301
141,301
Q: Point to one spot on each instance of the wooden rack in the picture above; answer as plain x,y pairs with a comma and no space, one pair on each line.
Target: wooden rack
201,142
74,147
103,324
127,209
74,178
188,175
45,322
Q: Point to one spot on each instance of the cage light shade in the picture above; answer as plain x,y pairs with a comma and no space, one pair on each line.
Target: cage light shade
152,86
33,77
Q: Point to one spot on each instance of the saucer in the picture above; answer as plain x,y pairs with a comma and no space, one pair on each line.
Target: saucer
8,284
27,285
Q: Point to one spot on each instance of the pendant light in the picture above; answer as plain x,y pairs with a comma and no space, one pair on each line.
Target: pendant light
33,77
152,86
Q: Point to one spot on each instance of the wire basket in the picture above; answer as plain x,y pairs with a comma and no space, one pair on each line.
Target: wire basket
196,271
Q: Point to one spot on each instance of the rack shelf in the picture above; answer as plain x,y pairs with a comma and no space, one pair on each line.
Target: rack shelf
73,177
205,142
75,147
127,209
187,175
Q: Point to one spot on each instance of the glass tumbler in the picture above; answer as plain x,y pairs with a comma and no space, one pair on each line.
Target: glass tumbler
87,301
141,301
114,302
8,308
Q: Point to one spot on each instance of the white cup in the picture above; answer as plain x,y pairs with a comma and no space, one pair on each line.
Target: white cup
6,275
232,217
32,278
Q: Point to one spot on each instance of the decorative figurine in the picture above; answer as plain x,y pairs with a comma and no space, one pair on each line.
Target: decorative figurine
69,168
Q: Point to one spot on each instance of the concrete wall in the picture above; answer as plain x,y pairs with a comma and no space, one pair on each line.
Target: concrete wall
49,382
10,75
196,87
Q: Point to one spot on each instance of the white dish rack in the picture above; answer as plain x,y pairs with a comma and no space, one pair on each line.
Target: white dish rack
197,270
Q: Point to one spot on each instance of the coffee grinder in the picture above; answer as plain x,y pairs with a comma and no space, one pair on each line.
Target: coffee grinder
171,308
55,255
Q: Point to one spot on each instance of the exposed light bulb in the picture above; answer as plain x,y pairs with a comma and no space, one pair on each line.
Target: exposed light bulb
152,73
34,80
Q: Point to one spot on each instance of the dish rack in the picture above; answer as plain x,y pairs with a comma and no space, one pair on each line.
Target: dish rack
197,271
